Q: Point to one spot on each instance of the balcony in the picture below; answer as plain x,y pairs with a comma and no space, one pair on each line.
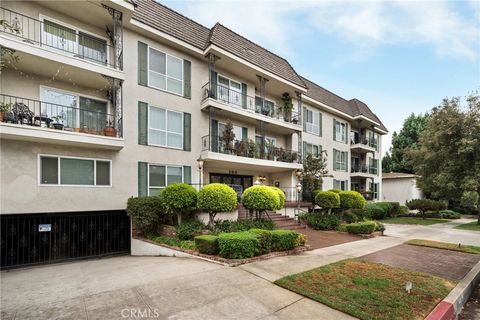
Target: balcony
235,103
53,41
363,171
40,121
249,155
363,145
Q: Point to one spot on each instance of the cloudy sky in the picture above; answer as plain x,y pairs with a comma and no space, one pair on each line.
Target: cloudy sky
397,56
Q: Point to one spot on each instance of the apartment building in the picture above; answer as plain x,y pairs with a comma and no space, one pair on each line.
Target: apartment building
105,100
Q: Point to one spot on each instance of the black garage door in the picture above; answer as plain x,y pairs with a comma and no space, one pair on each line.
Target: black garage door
29,239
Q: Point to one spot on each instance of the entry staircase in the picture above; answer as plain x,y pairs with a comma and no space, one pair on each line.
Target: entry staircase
281,221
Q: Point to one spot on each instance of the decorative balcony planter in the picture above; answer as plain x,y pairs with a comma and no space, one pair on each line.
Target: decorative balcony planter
110,132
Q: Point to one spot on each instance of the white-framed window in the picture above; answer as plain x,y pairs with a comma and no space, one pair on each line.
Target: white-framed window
340,131
374,190
74,110
160,176
340,158
165,128
313,124
313,149
165,72
61,36
373,166
74,171
229,91
340,184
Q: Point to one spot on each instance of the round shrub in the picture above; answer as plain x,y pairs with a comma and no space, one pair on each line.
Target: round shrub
351,200
188,230
179,198
265,239
146,212
349,216
319,221
335,190
283,240
327,200
403,211
375,212
215,198
301,240
260,198
207,244
238,245
281,196
365,227
449,214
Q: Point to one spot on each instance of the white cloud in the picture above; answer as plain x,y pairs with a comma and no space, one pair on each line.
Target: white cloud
366,25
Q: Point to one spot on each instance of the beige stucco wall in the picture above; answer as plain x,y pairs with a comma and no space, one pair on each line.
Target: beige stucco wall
401,190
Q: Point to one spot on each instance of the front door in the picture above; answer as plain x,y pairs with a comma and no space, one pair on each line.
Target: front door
237,182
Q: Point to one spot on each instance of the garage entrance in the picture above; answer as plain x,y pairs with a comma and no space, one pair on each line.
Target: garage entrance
29,239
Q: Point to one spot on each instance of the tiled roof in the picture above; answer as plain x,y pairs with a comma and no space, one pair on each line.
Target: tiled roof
397,175
352,107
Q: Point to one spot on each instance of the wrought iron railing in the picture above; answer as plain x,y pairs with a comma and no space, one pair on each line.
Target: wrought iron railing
249,149
359,168
365,141
55,36
18,110
255,105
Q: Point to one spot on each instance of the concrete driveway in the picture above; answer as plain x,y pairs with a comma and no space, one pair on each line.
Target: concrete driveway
149,287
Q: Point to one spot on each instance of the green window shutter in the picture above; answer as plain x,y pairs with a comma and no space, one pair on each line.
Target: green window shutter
320,123
187,79
187,131
334,158
142,179
346,133
334,121
214,137
245,134
142,123
187,174
346,161
142,64
244,96
304,119
304,149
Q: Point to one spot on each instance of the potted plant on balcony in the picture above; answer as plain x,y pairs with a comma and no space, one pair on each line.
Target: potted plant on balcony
110,130
252,151
4,108
228,136
270,149
58,122
287,106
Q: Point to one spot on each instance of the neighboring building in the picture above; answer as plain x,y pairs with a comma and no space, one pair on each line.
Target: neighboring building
138,93
400,187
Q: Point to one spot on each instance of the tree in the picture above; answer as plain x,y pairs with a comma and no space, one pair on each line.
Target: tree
215,198
259,199
179,198
314,169
351,200
398,160
327,200
448,160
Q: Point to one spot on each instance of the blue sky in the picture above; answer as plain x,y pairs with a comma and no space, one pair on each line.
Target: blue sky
397,56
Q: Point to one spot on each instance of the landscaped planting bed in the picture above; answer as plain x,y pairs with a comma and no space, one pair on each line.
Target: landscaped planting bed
370,290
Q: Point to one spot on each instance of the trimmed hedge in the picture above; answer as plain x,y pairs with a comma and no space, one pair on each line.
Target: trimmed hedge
335,190
265,238
283,240
351,200
238,245
366,227
449,214
281,197
242,225
350,217
188,230
301,240
207,244
376,212
146,212
327,200
319,221
260,198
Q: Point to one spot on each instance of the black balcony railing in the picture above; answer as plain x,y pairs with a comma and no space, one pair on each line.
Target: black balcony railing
365,141
240,100
359,168
55,36
30,112
249,149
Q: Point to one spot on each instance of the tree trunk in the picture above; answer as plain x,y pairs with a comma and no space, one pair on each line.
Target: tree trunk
179,217
211,219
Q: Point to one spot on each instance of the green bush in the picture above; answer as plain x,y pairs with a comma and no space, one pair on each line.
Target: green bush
301,240
283,240
349,216
242,225
174,242
265,239
189,229
403,211
341,228
386,207
365,227
449,214
281,196
327,200
314,194
395,209
179,198
207,244
319,221
238,245
335,190
351,200
146,212
424,205
260,199
216,197
379,226
375,212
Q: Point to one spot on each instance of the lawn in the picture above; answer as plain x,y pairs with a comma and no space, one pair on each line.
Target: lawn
474,226
412,220
445,245
370,290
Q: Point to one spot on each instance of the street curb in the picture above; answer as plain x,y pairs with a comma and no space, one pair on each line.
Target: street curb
452,305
